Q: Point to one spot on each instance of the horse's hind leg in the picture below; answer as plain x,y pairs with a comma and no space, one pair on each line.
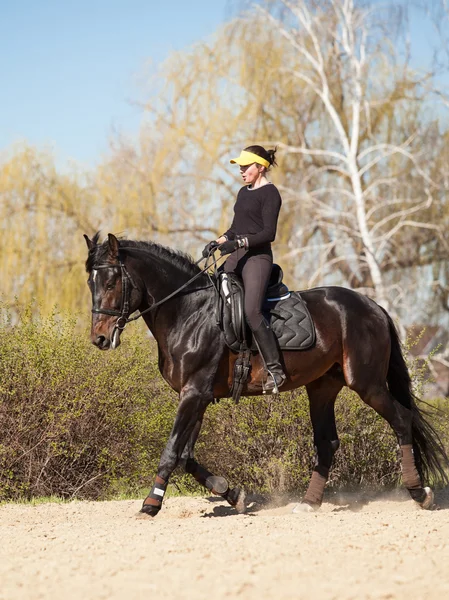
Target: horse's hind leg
322,394
214,483
400,419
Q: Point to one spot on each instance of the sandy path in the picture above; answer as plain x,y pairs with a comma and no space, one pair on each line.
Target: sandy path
199,548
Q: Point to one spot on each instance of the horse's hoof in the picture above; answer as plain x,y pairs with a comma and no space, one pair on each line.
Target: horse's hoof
304,507
429,501
240,505
237,498
144,516
148,511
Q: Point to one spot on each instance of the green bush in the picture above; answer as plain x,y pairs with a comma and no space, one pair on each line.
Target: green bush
77,422
268,443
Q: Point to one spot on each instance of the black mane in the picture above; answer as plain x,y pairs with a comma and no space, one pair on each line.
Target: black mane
98,254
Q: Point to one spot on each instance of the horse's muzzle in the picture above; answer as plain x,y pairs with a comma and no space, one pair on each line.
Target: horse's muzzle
105,334
101,342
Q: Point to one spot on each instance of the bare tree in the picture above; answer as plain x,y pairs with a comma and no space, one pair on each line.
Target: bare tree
368,177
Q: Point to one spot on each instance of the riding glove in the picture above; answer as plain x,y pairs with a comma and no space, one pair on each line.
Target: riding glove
208,248
232,245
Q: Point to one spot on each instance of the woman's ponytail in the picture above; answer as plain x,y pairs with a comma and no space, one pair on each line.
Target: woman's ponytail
268,155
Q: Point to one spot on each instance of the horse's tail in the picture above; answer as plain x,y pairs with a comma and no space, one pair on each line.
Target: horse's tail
430,455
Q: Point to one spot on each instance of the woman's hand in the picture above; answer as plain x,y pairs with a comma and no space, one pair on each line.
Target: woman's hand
229,247
209,248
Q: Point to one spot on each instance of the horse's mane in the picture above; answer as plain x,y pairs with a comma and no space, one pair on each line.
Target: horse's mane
99,252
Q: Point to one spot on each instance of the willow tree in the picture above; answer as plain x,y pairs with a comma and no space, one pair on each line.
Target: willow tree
42,215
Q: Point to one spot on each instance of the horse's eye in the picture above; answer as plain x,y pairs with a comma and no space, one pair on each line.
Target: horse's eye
110,286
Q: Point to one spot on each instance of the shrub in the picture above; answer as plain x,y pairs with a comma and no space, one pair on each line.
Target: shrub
268,443
77,422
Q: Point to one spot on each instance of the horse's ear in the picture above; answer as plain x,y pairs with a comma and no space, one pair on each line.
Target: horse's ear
89,242
113,245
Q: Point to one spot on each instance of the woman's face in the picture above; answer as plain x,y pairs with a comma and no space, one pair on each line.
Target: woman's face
251,173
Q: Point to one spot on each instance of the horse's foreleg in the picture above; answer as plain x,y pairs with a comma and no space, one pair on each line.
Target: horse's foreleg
190,411
214,483
322,394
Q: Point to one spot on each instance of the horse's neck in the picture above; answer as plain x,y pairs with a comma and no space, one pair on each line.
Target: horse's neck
161,278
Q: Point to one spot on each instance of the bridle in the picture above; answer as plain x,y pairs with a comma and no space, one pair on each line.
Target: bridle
127,286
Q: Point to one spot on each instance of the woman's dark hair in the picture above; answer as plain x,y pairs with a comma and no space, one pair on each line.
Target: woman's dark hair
268,155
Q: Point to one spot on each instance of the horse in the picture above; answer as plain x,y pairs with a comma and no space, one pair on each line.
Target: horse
357,345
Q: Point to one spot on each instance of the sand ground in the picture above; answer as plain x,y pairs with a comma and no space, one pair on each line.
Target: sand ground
355,547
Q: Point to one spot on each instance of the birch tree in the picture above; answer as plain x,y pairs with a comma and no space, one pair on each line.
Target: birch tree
368,162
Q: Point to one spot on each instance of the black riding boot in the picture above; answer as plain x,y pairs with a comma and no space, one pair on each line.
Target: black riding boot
266,342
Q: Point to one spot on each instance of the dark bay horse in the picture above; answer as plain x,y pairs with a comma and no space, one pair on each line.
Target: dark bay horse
357,345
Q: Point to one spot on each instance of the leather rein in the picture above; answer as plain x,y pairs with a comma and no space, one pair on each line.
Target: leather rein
127,286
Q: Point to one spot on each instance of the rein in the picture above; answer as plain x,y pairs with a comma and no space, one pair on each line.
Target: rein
127,284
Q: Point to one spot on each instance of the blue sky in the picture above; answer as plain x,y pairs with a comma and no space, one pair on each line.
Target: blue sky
70,70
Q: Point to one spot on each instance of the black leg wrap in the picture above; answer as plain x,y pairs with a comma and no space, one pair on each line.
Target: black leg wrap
418,495
232,496
217,485
214,483
153,502
158,490
236,498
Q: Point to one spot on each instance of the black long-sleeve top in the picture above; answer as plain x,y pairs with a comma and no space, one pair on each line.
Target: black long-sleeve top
256,214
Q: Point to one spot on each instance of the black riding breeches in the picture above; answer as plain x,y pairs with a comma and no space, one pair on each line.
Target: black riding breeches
255,270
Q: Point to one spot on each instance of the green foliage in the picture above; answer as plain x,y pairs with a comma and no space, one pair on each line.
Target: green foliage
80,423
268,443
76,422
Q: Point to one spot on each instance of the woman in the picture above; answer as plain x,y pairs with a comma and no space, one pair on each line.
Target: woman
249,240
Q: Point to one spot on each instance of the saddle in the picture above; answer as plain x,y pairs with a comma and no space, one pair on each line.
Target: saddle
286,312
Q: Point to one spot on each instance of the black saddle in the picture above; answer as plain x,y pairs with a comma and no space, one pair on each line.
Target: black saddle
286,312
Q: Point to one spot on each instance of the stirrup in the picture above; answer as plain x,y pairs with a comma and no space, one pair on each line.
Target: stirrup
272,385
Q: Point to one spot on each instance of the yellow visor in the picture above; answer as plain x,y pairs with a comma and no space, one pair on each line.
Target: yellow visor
248,158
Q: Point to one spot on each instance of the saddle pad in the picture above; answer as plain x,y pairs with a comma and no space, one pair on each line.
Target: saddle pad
291,322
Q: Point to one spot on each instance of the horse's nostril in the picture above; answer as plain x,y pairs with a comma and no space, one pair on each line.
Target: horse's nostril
100,341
